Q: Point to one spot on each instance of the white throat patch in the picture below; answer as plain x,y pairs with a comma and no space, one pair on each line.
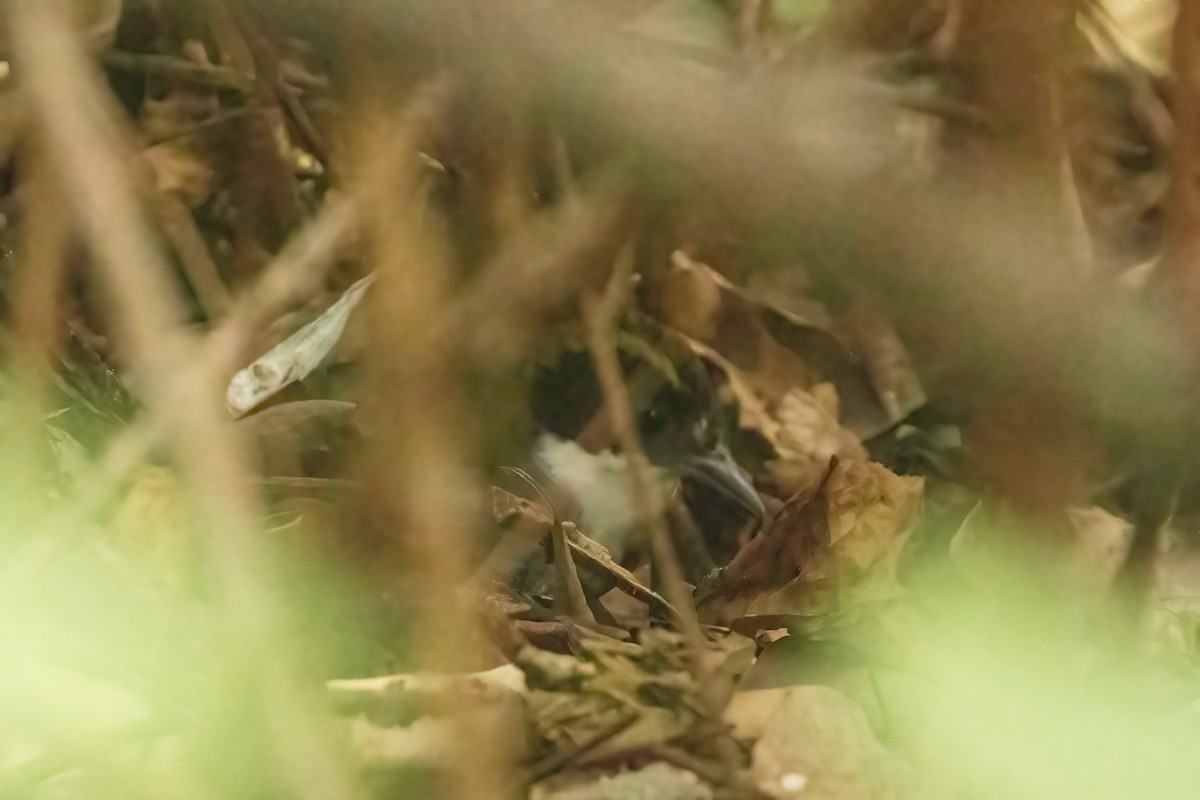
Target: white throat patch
599,484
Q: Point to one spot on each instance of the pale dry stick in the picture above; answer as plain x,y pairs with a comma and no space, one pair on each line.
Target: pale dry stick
84,143
600,317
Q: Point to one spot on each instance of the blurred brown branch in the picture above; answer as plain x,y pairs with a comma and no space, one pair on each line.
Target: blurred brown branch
788,164
86,146
417,482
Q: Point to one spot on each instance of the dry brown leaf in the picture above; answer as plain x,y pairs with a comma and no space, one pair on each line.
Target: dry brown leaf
779,348
283,433
780,571
842,535
871,512
752,409
724,326
809,436
801,594
691,299
180,164
803,430
698,301
809,419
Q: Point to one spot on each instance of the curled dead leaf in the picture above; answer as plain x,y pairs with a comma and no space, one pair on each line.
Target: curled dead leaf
871,512
295,357
809,437
778,349
778,571
842,534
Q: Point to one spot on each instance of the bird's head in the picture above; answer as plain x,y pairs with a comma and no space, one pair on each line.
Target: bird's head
683,425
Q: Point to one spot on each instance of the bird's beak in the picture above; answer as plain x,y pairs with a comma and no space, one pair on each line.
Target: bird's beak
719,472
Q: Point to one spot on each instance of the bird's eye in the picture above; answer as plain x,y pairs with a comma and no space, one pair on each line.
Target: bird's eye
653,421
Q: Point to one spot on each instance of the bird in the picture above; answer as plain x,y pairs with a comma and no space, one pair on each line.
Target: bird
684,427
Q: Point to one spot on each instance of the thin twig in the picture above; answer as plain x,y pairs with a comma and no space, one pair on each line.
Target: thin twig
297,272
678,757
600,316
223,118
178,69
553,763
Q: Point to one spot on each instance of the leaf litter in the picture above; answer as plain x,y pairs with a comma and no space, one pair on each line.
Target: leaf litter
592,688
